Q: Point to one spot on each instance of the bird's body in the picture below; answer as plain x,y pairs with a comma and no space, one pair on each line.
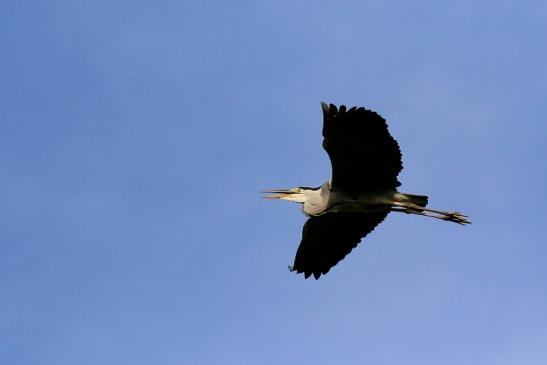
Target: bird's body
363,190
321,200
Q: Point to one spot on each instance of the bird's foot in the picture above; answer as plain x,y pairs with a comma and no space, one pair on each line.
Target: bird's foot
410,208
456,217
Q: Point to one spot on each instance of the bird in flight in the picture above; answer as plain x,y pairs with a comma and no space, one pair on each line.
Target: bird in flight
365,161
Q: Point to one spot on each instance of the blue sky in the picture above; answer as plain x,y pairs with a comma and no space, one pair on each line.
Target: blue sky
135,136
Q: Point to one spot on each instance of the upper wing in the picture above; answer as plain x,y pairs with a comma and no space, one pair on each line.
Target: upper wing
328,238
363,154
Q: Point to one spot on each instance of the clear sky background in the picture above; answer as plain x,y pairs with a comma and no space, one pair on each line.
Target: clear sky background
135,137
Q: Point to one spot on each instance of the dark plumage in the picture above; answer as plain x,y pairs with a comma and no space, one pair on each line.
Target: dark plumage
362,152
328,238
365,161
363,156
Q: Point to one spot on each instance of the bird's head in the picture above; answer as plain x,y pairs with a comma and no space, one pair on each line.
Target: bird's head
295,194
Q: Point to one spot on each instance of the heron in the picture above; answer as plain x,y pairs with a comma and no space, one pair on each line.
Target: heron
362,191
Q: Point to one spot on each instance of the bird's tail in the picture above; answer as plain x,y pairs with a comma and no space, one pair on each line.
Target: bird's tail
420,200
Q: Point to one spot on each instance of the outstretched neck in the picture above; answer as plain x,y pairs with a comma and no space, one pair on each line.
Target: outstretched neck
316,200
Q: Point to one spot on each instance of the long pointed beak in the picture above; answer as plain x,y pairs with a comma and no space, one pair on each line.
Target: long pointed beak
278,193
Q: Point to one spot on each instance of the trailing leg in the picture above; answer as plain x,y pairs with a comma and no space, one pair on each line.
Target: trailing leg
409,208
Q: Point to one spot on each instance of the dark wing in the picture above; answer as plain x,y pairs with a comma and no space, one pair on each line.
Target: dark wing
363,154
328,238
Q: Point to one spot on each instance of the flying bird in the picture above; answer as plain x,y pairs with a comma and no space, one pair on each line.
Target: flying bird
365,161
